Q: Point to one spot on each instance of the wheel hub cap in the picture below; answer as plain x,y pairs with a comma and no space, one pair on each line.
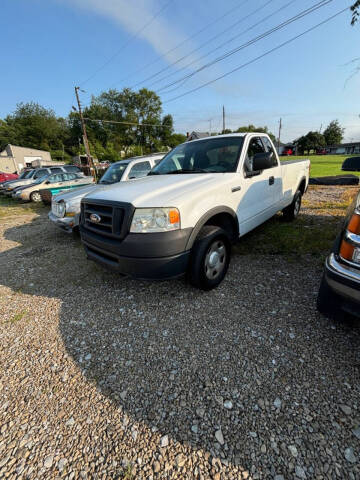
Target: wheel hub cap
215,259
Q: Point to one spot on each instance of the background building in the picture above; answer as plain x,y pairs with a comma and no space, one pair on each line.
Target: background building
13,159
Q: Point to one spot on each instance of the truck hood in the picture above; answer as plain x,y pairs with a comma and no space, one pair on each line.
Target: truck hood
158,190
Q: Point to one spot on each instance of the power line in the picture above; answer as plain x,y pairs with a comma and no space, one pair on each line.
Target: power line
224,43
203,44
217,19
125,44
300,15
259,57
127,123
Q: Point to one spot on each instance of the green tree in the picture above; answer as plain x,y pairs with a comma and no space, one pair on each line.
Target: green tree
32,125
333,133
176,139
310,141
252,128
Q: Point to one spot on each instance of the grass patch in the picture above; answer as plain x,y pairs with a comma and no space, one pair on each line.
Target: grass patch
323,165
18,317
11,207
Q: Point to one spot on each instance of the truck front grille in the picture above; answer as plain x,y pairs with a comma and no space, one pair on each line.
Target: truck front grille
106,218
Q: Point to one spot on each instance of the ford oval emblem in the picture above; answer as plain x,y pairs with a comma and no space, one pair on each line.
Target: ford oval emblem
94,218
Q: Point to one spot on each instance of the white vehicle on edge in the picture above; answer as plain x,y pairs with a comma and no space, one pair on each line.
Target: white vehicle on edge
195,203
65,207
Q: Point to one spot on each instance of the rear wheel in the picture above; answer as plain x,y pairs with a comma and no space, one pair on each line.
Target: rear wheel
35,197
292,211
210,258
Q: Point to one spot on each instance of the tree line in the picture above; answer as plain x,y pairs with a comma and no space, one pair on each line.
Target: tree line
120,124
32,125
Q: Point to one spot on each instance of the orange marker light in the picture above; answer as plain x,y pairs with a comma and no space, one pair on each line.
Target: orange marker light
354,224
174,217
346,250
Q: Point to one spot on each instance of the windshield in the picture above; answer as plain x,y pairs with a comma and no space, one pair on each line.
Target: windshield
41,179
114,173
215,155
23,175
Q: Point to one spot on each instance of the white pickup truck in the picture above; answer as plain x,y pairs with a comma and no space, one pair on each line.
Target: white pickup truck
194,204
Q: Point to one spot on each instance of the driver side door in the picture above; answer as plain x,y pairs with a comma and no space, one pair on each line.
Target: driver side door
257,199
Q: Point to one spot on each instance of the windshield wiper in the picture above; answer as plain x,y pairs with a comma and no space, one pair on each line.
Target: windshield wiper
185,170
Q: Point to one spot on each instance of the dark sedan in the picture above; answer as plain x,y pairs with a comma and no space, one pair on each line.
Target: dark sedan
340,286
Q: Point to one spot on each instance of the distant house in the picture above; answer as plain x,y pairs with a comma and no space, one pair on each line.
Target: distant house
13,159
344,148
196,135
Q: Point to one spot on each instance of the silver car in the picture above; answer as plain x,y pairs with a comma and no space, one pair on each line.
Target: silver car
65,207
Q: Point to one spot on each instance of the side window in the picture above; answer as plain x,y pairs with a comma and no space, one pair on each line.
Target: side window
65,177
40,173
72,168
55,178
270,148
56,170
140,169
255,146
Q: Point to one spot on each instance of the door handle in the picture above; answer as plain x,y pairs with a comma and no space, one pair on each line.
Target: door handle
271,180
236,189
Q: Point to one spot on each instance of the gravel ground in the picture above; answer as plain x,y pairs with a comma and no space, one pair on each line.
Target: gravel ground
108,378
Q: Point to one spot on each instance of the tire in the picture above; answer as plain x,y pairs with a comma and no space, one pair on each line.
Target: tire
210,258
292,211
35,197
328,302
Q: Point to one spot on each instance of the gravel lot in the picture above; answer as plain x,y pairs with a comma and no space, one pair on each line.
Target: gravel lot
108,378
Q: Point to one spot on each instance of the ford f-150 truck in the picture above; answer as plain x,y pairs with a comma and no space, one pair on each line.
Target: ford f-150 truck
194,204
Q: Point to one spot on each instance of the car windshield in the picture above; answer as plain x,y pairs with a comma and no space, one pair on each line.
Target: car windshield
214,155
114,173
41,179
24,175
30,174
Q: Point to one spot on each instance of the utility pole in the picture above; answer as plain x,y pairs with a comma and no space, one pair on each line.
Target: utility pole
280,127
210,120
223,119
85,138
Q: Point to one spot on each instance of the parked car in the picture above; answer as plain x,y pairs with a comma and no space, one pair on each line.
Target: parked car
24,174
351,164
340,285
56,182
321,151
184,216
37,173
65,207
5,177
287,152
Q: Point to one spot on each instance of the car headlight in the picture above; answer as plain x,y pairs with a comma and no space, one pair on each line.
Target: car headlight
151,220
58,208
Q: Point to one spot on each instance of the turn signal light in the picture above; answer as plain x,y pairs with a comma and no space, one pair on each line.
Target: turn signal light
174,216
354,224
346,250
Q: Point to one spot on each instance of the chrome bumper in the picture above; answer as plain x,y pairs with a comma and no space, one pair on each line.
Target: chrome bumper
343,279
66,223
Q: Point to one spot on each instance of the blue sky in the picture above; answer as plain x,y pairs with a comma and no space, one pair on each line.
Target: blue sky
48,46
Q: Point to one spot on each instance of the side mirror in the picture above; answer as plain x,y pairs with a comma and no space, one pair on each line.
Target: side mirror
262,161
47,182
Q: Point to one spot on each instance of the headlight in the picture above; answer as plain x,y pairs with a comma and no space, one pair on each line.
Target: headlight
151,220
58,209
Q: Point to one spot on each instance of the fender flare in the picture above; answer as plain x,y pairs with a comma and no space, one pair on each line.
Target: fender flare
202,221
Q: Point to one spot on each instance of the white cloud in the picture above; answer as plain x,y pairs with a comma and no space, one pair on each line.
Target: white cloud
132,15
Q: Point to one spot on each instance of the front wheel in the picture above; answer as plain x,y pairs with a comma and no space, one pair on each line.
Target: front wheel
35,197
210,258
292,211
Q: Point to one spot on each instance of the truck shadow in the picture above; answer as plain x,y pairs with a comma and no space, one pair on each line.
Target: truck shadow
189,364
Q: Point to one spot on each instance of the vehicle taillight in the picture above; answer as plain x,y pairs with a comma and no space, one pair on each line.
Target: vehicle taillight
351,251
354,224
346,250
